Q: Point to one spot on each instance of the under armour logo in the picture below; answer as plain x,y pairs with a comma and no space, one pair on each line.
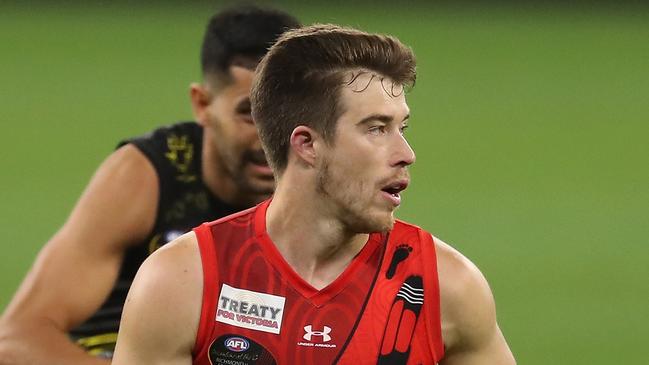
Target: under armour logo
324,333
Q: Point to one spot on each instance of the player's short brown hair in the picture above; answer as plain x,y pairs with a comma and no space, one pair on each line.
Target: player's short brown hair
299,80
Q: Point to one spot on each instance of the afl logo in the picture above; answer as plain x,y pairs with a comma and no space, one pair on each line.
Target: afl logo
236,344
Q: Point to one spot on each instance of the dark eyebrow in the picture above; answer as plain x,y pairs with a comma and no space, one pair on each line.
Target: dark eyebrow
381,118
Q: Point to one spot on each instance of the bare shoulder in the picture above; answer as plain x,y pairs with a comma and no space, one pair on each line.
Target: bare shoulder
162,310
128,163
121,199
129,156
459,276
469,329
176,268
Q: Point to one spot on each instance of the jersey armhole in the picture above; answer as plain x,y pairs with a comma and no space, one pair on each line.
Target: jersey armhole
210,280
432,310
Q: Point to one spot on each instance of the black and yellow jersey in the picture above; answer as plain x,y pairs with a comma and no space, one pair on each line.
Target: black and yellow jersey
184,203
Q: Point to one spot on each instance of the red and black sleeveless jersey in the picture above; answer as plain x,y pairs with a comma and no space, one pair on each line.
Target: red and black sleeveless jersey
383,309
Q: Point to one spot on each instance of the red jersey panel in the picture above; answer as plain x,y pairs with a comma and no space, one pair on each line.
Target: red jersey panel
383,309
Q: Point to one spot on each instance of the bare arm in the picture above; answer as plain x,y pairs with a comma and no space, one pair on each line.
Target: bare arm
162,311
77,268
469,328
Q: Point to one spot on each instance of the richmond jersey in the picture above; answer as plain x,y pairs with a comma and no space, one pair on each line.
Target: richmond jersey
383,309
184,202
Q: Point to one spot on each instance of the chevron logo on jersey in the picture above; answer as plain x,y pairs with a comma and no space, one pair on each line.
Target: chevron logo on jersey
310,333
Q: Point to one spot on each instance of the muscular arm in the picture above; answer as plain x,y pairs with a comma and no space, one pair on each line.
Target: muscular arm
77,268
162,311
469,328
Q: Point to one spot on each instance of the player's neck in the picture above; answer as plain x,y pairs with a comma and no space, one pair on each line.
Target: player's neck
315,243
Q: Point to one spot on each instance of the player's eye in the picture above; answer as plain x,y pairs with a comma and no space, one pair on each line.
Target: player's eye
403,128
376,130
244,114
243,110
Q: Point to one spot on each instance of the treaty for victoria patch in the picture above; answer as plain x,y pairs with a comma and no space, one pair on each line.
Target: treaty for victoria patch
250,309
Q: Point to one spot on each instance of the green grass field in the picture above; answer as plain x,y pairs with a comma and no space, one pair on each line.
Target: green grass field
531,128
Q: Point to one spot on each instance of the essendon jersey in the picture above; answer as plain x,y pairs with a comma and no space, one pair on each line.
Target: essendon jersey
383,309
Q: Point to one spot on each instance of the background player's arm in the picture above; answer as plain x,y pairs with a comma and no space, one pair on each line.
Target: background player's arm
77,268
469,328
162,310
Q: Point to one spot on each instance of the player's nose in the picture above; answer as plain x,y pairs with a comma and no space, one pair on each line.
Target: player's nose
403,154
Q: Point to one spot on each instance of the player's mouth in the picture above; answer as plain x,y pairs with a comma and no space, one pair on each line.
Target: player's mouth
261,169
258,163
392,191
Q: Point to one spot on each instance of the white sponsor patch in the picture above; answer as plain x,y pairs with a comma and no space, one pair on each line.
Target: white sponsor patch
250,309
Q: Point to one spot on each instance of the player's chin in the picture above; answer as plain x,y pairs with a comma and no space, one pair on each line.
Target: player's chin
388,223
381,221
262,185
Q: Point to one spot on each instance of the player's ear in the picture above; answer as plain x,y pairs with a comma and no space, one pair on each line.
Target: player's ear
200,98
303,140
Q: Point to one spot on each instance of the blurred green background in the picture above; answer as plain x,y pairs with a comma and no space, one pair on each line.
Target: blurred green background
531,125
